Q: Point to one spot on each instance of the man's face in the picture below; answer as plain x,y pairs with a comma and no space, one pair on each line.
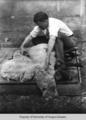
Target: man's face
43,25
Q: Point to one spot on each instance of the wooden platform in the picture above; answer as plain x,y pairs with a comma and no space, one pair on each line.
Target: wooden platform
31,88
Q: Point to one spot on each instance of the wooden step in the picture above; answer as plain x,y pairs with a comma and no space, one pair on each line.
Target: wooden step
31,88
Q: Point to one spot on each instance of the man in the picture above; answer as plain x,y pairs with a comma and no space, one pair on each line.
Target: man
53,32
51,28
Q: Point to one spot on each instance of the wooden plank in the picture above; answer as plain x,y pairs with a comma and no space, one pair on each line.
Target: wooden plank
31,88
19,89
69,89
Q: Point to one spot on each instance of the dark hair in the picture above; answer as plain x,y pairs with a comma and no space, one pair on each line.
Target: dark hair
40,17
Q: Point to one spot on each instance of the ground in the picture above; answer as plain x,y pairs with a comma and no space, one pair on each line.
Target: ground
36,104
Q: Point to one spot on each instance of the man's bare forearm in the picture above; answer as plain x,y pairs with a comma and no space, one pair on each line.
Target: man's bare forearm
27,40
50,46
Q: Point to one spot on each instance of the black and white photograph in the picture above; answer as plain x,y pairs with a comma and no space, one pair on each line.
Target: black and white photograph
43,57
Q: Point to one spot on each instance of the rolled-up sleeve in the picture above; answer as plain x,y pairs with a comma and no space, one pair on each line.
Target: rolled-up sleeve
65,29
34,33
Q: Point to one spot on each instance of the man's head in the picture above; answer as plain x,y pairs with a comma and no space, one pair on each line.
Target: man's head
41,19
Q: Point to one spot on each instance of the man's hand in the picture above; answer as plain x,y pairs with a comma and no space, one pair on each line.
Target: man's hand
23,51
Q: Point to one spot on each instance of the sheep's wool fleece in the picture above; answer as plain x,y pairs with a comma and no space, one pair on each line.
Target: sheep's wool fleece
21,67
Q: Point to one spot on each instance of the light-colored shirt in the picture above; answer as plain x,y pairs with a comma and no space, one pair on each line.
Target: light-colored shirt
55,25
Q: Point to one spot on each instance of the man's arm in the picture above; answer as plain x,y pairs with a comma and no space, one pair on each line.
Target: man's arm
26,41
32,35
50,47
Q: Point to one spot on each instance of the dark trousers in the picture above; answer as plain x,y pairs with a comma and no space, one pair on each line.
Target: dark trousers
62,44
